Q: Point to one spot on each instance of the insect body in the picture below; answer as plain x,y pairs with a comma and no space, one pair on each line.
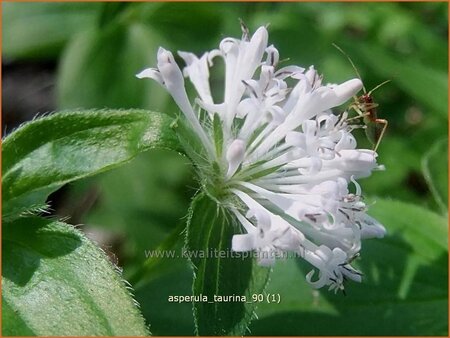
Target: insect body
366,109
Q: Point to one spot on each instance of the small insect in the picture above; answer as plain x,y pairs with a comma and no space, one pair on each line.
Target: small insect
365,107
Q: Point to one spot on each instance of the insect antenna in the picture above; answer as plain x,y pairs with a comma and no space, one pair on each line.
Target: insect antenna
351,62
376,87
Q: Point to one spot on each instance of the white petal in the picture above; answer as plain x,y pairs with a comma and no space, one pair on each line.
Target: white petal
289,71
347,141
266,258
151,73
258,44
280,201
174,82
371,228
243,242
291,241
336,95
355,275
170,72
198,72
262,218
357,162
312,77
245,107
212,108
272,56
241,65
249,227
347,90
321,282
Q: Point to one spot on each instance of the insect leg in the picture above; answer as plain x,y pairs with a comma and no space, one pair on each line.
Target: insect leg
356,108
385,124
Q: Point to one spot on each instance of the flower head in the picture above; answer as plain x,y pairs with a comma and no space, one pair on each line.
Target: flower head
275,155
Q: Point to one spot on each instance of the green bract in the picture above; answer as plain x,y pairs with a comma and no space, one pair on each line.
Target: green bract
216,273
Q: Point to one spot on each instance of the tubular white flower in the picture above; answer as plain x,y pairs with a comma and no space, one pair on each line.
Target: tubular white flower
169,75
333,268
198,72
285,160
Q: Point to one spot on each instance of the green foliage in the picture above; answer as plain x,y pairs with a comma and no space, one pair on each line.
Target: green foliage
428,86
145,213
41,30
171,20
98,69
168,318
98,66
99,49
42,155
217,273
50,270
142,209
435,171
57,282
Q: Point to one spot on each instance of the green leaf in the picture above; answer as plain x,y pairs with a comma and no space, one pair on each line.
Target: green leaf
13,324
400,159
127,205
157,264
48,152
217,273
171,20
403,292
56,282
40,30
98,69
111,11
168,318
435,170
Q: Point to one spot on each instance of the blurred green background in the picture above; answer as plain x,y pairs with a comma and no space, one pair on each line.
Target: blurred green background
85,55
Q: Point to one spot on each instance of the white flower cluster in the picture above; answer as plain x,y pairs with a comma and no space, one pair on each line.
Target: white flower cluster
287,159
